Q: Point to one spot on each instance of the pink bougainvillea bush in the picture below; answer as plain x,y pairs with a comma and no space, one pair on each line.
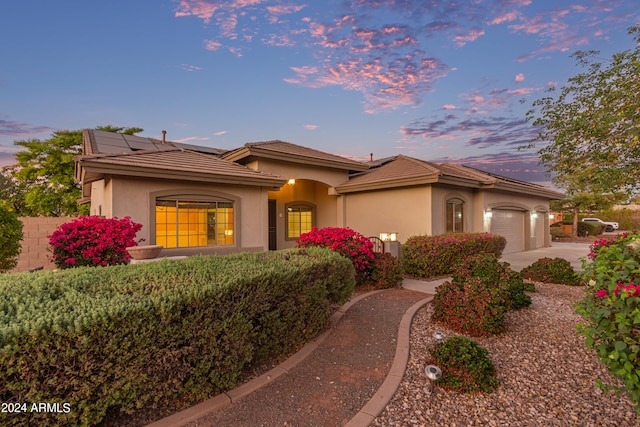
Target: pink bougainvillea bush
611,309
93,241
345,241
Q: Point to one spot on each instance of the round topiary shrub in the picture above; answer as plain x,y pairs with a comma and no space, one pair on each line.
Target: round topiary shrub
466,367
548,270
93,241
10,237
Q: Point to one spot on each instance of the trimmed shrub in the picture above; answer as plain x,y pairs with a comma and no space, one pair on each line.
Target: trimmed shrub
346,242
558,233
120,338
495,274
93,241
428,256
465,365
548,270
590,229
611,309
10,237
481,291
386,271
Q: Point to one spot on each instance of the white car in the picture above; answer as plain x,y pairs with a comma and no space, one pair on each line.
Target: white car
608,225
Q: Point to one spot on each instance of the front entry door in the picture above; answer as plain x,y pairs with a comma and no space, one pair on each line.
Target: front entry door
273,235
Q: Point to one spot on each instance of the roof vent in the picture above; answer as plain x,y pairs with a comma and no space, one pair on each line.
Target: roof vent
164,136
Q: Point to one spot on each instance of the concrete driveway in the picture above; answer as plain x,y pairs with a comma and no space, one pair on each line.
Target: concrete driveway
572,252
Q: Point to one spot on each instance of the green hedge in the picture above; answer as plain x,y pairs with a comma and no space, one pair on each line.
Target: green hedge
125,337
428,256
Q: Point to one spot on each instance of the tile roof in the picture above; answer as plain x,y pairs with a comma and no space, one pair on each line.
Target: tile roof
281,150
402,171
162,161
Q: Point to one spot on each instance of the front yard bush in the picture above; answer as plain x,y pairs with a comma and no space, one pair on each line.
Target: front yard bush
93,241
552,270
465,365
428,256
346,242
120,338
479,294
10,237
385,271
611,309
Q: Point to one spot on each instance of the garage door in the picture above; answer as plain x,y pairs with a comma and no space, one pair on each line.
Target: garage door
510,224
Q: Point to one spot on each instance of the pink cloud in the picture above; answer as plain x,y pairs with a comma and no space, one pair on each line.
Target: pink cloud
519,77
448,107
283,9
222,132
471,35
311,127
202,9
211,45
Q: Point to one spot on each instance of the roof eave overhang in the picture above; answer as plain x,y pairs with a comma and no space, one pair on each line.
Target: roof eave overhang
385,185
530,190
94,171
259,153
463,182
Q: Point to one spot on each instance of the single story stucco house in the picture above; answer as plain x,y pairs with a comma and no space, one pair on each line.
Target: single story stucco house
263,195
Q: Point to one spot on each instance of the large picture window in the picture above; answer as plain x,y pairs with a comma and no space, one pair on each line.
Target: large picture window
300,219
184,223
455,215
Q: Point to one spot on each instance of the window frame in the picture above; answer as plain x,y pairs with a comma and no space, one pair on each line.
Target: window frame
293,205
191,195
454,202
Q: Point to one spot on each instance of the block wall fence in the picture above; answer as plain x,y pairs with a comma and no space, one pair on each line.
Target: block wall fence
35,242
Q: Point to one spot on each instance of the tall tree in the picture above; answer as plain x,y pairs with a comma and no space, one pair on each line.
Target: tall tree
589,132
44,173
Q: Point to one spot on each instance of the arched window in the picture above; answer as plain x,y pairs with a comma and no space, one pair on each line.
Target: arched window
455,215
193,221
300,219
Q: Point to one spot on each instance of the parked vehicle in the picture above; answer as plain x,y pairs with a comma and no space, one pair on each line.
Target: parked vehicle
609,226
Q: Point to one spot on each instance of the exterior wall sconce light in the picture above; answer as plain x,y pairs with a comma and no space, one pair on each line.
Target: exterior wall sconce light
291,181
534,215
439,336
551,216
433,374
389,237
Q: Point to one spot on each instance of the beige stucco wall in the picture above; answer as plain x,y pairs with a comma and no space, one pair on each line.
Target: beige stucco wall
406,211
440,196
303,190
134,199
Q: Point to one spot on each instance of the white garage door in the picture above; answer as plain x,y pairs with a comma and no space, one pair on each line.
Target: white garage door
510,224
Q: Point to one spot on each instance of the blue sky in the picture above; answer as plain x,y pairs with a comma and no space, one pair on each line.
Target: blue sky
437,80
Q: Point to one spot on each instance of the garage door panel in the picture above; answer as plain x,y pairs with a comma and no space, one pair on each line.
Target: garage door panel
510,224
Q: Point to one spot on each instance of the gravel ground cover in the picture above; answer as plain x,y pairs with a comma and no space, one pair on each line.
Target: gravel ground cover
547,376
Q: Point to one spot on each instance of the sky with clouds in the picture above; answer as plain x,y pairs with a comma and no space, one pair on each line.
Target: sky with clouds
443,81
